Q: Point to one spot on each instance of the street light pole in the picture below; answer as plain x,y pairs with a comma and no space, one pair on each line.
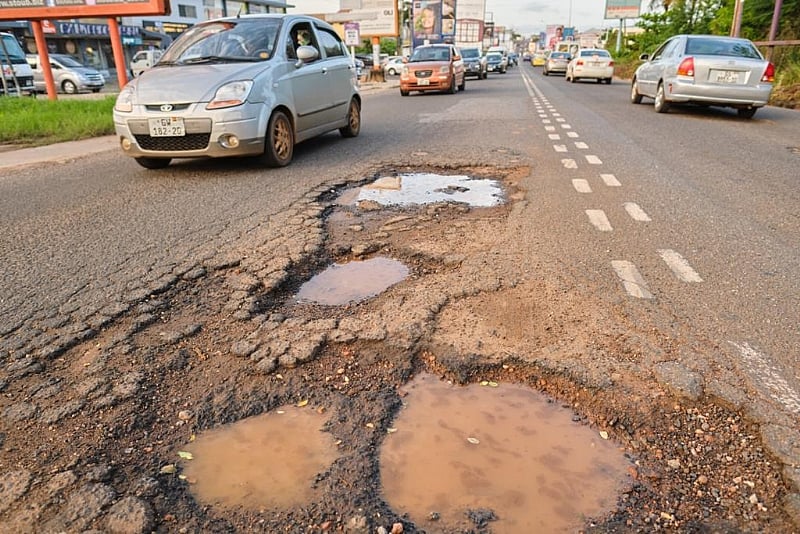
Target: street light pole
569,21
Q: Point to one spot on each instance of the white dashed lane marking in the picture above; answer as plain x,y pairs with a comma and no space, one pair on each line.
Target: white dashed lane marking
593,160
554,137
631,279
610,180
680,266
581,186
636,213
560,148
566,126
599,220
581,145
569,163
572,134
550,128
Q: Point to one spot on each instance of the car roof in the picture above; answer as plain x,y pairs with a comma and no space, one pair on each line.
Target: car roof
286,17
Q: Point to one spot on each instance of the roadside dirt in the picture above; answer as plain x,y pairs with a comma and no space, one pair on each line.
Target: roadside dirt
90,427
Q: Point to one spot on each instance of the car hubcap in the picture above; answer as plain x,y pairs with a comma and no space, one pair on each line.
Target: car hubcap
354,117
282,138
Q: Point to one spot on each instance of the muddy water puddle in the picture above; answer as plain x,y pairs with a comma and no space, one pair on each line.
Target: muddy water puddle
265,461
428,188
344,283
496,450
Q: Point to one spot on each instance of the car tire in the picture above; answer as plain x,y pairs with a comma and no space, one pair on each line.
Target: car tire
353,127
545,73
661,105
636,98
453,89
463,85
69,87
153,163
279,141
746,113
404,93
608,81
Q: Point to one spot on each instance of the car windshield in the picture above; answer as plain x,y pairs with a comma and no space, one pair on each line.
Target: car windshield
590,53
721,47
494,56
239,40
12,48
559,55
433,53
470,53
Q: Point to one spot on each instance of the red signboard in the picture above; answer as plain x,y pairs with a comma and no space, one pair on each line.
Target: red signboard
75,9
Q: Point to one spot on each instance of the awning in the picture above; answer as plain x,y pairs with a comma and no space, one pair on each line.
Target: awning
165,39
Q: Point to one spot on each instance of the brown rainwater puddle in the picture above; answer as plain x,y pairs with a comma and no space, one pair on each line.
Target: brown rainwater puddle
266,461
498,447
343,283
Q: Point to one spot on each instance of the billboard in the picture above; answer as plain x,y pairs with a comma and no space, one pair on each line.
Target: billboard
376,18
76,9
623,9
434,21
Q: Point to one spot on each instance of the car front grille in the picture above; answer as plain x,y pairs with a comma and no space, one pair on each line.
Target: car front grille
198,141
94,79
423,73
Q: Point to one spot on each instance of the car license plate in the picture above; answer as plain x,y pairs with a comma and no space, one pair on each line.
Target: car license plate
166,127
424,82
726,76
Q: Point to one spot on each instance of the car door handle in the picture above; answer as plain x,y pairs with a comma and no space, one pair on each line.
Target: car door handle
324,70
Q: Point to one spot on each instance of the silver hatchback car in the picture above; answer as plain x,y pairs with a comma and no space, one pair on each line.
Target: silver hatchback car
709,70
253,85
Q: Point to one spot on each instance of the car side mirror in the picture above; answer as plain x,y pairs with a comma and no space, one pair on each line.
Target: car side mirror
456,58
307,54
405,60
644,57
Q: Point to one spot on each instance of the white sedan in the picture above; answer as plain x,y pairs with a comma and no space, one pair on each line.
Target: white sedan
595,63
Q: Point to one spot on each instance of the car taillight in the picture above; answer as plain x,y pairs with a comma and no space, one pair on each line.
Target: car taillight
769,73
686,68
611,63
580,62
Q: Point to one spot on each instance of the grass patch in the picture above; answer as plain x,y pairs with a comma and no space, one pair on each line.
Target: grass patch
33,122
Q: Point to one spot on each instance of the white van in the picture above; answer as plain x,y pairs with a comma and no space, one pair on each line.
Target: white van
17,78
143,60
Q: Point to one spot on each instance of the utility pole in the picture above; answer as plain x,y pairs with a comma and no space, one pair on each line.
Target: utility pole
738,10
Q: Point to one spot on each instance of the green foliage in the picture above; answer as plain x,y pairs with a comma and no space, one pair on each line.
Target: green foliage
388,46
39,122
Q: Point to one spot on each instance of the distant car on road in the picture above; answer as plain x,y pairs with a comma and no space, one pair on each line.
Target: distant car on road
475,63
143,60
708,70
592,63
496,62
556,62
436,67
539,59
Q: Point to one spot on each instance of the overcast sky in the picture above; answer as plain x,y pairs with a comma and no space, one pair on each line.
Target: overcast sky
525,16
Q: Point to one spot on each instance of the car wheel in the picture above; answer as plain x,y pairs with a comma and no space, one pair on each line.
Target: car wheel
392,72
636,98
544,72
453,89
503,71
661,105
608,81
69,87
353,120
404,93
746,113
153,163
463,85
279,142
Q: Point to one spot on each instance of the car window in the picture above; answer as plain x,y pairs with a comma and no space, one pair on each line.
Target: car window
721,47
591,53
331,43
433,53
470,53
661,51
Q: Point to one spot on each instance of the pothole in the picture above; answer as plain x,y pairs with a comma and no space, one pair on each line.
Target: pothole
344,283
266,461
412,189
496,452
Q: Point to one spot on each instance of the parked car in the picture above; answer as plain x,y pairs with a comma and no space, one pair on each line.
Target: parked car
69,75
435,67
240,86
556,63
592,63
393,65
475,63
143,60
708,70
496,62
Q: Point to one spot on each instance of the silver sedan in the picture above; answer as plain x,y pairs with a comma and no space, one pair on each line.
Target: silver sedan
709,70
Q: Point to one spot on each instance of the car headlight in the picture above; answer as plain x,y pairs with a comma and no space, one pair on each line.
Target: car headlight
231,94
124,102
445,69
405,70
